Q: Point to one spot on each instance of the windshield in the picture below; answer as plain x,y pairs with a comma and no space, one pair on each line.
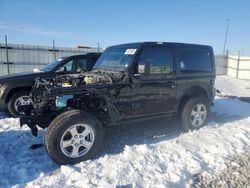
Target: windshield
50,66
116,58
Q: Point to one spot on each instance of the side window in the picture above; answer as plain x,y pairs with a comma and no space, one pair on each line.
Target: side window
195,60
81,65
155,60
68,67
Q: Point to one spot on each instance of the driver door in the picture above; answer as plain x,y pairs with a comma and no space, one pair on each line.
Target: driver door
153,87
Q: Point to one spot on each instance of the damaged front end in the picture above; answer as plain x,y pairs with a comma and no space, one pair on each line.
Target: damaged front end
87,92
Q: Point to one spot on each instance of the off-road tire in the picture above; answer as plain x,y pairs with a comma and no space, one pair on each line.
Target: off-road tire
186,113
60,124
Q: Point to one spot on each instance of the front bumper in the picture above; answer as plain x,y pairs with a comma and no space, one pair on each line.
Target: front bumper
33,120
31,123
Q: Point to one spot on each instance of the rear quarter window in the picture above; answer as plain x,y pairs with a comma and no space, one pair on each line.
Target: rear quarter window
195,61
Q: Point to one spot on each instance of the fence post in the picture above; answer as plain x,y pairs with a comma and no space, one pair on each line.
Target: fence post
7,54
54,50
227,59
238,65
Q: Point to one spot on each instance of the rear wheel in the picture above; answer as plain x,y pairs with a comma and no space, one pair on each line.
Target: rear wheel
73,137
19,98
195,113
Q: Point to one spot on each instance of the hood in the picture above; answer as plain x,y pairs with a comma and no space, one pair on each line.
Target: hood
20,75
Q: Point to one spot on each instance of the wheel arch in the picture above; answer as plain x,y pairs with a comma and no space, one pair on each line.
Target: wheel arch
194,91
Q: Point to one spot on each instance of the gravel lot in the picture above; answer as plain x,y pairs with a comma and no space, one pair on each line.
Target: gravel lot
237,174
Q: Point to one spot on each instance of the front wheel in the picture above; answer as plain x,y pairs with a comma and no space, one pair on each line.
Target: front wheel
73,137
195,113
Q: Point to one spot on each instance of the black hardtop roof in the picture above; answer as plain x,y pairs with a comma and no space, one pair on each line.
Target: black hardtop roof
176,44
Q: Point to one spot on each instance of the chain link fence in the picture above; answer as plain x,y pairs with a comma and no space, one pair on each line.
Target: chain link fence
236,66
16,58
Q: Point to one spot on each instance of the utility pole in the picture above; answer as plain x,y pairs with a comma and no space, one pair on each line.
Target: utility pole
54,50
7,54
225,42
98,47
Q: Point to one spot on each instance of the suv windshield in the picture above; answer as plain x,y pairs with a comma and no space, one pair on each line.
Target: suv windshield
50,66
116,58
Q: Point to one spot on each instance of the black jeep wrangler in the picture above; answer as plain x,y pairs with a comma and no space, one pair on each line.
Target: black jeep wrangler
129,82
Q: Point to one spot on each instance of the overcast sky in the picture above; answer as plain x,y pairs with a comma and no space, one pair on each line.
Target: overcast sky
87,22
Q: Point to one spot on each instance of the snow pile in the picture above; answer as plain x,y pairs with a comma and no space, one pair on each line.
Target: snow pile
232,86
149,154
19,163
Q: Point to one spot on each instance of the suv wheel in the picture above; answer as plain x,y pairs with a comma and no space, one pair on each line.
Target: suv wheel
195,113
19,98
73,137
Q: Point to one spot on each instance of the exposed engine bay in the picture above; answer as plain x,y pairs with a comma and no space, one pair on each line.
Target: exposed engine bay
90,91
93,77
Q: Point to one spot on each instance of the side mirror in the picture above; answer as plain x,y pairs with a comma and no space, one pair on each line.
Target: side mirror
141,69
61,69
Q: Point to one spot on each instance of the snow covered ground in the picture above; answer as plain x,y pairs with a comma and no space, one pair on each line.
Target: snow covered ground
151,154
232,86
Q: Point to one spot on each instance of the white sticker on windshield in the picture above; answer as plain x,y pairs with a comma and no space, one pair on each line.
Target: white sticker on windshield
130,51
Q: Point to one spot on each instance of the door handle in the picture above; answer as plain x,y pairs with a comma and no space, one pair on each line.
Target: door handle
171,83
